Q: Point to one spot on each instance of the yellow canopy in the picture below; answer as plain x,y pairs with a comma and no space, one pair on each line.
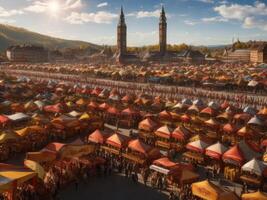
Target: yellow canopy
209,191
7,136
85,116
36,167
30,129
254,196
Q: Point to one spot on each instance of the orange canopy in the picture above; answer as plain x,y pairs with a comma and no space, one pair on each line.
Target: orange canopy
139,146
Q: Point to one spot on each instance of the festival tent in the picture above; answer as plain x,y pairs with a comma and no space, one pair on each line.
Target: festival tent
250,110
74,114
103,106
54,147
16,173
213,105
209,191
8,136
212,123
130,112
234,155
165,115
245,131
216,150
81,102
185,118
249,149
224,105
85,116
29,130
93,105
184,176
263,111
254,196
229,128
193,109
224,116
165,162
255,121
98,137
17,117
147,125
198,102
181,133
3,119
57,108
139,146
117,140
36,167
187,102
164,131
198,146
207,111
113,111
254,166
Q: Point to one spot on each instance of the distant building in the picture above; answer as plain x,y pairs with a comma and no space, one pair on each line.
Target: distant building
239,55
258,53
192,56
27,53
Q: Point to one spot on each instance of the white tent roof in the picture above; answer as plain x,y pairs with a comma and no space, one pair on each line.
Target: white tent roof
218,148
254,166
18,117
213,105
255,120
250,110
199,144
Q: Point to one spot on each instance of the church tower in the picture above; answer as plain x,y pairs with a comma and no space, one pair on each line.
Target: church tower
122,35
162,32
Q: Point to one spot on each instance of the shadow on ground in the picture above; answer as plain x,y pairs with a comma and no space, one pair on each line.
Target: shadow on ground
111,188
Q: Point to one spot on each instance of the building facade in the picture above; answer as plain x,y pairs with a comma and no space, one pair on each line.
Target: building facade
27,53
258,53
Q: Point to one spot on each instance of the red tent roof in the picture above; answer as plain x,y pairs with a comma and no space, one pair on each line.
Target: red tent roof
147,124
54,147
3,119
113,110
117,140
208,110
185,118
93,104
234,154
97,137
165,115
165,162
164,132
181,133
57,108
103,106
229,128
130,111
139,146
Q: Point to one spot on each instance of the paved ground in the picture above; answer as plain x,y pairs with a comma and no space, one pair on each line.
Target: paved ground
111,188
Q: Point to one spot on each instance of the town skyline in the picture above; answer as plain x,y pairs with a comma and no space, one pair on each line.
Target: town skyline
75,20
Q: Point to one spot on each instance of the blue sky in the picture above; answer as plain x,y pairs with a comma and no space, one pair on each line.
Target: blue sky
196,22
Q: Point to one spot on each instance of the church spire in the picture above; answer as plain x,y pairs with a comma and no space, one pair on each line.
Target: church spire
122,18
162,15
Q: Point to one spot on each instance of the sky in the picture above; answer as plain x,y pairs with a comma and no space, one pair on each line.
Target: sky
195,22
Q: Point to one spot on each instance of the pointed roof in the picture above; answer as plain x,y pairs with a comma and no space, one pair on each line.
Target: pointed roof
122,18
139,146
254,166
162,18
198,146
234,155
164,131
216,150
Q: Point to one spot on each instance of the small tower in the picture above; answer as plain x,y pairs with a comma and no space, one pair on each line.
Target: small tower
122,35
162,32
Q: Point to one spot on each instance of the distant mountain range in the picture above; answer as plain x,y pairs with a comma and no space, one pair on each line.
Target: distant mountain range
10,35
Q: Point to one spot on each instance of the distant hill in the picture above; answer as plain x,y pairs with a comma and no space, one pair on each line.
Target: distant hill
10,35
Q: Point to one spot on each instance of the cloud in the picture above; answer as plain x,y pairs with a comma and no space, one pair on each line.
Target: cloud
145,14
100,17
102,4
206,1
251,16
190,22
214,19
8,13
43,6
240,12
252,22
